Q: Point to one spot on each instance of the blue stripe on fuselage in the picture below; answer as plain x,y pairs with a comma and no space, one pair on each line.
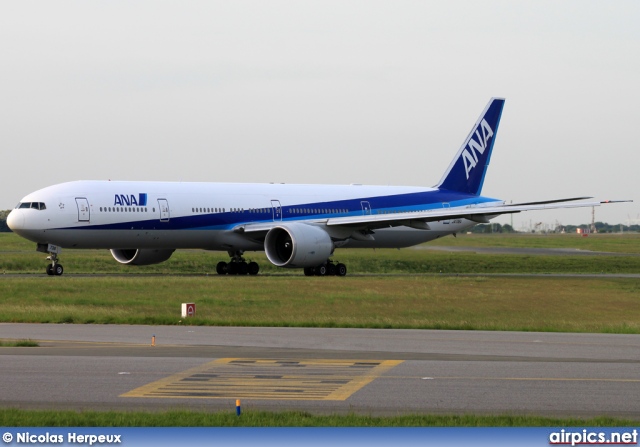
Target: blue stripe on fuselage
421,201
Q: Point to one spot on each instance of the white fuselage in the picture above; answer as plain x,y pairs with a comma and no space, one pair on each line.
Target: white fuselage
170,215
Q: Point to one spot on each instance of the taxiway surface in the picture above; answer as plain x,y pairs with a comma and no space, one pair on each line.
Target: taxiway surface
320,370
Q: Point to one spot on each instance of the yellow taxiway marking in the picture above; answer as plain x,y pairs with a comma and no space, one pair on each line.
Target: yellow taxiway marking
290,379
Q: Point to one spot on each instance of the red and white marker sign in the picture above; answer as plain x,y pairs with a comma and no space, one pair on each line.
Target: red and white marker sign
188,310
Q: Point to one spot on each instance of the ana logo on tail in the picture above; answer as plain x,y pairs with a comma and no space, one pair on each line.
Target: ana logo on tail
469,154
468,168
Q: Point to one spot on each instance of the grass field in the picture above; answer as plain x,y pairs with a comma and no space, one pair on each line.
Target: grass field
610,242
18,344
19,256
386,289
46,418
482,303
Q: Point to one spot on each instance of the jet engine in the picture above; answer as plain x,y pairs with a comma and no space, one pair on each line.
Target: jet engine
297,245
135,256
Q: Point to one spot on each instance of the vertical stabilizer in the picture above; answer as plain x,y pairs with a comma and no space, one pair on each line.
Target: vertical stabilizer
467,170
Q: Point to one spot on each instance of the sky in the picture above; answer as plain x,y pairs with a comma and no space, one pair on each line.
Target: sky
371,92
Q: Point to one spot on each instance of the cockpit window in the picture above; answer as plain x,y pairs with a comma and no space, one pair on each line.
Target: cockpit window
32,205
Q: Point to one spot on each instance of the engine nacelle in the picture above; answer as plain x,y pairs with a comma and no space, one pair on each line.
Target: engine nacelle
297,245
135,256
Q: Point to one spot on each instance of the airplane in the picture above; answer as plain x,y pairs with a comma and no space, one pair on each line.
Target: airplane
297,226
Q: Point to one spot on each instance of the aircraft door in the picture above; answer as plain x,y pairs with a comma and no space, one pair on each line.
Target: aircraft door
366,208
163,204
277,210
84,215
446,205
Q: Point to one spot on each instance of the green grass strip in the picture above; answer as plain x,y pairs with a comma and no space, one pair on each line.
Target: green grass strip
183,418
599,305
18,344
19,256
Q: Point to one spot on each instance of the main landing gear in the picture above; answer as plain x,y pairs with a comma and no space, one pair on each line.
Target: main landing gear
327,269
237,265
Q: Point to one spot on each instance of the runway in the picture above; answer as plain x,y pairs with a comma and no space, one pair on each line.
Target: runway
320,370
526,251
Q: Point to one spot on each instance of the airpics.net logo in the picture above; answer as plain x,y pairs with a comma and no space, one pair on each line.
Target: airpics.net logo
70,438
590,437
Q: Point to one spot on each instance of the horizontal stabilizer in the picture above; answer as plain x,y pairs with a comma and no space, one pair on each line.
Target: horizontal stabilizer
550,201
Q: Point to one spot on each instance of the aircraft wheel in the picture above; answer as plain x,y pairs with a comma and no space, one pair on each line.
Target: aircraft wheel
221,268
331,270
321,270
341,270
233,268
309,271
243,268
50,270
253,268
57,269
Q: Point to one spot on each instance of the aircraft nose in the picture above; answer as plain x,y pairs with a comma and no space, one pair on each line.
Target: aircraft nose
15,220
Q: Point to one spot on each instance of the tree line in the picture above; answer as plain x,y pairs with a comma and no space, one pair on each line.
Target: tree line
601,227
3,221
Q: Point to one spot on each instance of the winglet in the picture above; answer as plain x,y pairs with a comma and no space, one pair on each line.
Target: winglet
467,170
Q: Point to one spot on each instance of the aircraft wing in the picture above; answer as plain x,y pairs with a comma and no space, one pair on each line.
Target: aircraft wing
476,213
420,219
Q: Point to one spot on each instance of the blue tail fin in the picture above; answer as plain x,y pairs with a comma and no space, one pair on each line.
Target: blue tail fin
467,170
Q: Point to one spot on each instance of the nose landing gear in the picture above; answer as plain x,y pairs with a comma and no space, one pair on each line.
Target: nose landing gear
55,268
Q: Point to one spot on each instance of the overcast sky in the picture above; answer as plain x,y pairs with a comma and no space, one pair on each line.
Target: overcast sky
374,92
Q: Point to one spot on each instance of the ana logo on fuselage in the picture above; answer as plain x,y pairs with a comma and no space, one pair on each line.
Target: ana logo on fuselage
130,200
470,153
